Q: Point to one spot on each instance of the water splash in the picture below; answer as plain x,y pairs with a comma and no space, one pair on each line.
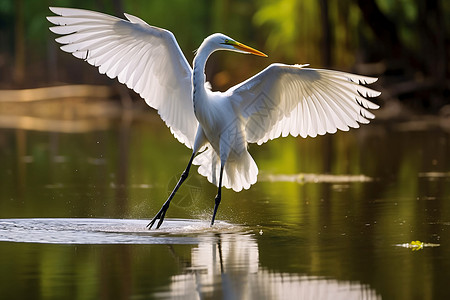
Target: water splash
108,231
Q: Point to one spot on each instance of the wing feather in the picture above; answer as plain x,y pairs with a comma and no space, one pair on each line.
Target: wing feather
283,100
145,58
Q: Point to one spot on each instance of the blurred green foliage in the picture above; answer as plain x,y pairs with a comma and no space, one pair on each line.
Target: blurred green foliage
408,39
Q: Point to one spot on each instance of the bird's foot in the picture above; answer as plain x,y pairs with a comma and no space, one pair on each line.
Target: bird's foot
160,215
216,206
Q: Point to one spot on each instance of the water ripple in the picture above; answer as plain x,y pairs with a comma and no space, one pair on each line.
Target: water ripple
108,231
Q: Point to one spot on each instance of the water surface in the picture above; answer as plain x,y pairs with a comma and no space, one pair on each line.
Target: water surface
326,219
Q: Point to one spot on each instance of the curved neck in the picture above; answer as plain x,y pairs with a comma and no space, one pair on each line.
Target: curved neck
198,74
199,67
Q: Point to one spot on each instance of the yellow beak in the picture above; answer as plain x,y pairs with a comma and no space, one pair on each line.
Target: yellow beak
246,48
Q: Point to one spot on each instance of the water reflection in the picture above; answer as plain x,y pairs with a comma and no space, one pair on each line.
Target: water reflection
224,262
228,267
330,211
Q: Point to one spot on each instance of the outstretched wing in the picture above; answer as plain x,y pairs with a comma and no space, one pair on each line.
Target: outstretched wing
283,100
146,58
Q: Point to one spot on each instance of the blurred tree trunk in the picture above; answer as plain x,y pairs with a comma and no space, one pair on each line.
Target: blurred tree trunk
326,34
118,7
429,58
431,31
383,28
19,43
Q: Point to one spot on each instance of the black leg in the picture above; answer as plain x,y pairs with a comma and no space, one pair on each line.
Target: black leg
218,197
162,212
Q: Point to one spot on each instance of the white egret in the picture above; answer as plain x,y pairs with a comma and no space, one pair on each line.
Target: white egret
278,101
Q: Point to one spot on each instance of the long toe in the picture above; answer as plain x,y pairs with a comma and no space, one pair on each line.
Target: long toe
152,222
161,219
160,215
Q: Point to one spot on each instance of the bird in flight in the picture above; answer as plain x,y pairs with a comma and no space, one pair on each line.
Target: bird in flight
280,100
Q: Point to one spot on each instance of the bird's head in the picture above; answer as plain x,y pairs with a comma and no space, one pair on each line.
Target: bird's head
222,42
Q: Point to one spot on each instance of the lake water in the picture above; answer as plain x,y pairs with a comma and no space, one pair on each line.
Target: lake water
335,217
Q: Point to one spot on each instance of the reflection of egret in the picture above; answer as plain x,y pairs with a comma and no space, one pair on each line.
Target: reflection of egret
278,101
228,266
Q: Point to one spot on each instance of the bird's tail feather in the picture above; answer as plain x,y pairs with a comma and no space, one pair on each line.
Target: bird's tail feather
238,174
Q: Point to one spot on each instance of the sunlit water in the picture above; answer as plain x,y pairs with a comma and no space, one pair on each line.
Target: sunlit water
330,218
107,231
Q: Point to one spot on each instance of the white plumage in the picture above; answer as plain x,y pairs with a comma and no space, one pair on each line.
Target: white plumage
278,101
145,58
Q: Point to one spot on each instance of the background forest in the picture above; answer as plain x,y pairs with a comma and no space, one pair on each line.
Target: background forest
332,213
404,42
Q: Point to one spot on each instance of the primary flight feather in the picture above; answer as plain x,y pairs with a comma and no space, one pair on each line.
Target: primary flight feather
281,100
